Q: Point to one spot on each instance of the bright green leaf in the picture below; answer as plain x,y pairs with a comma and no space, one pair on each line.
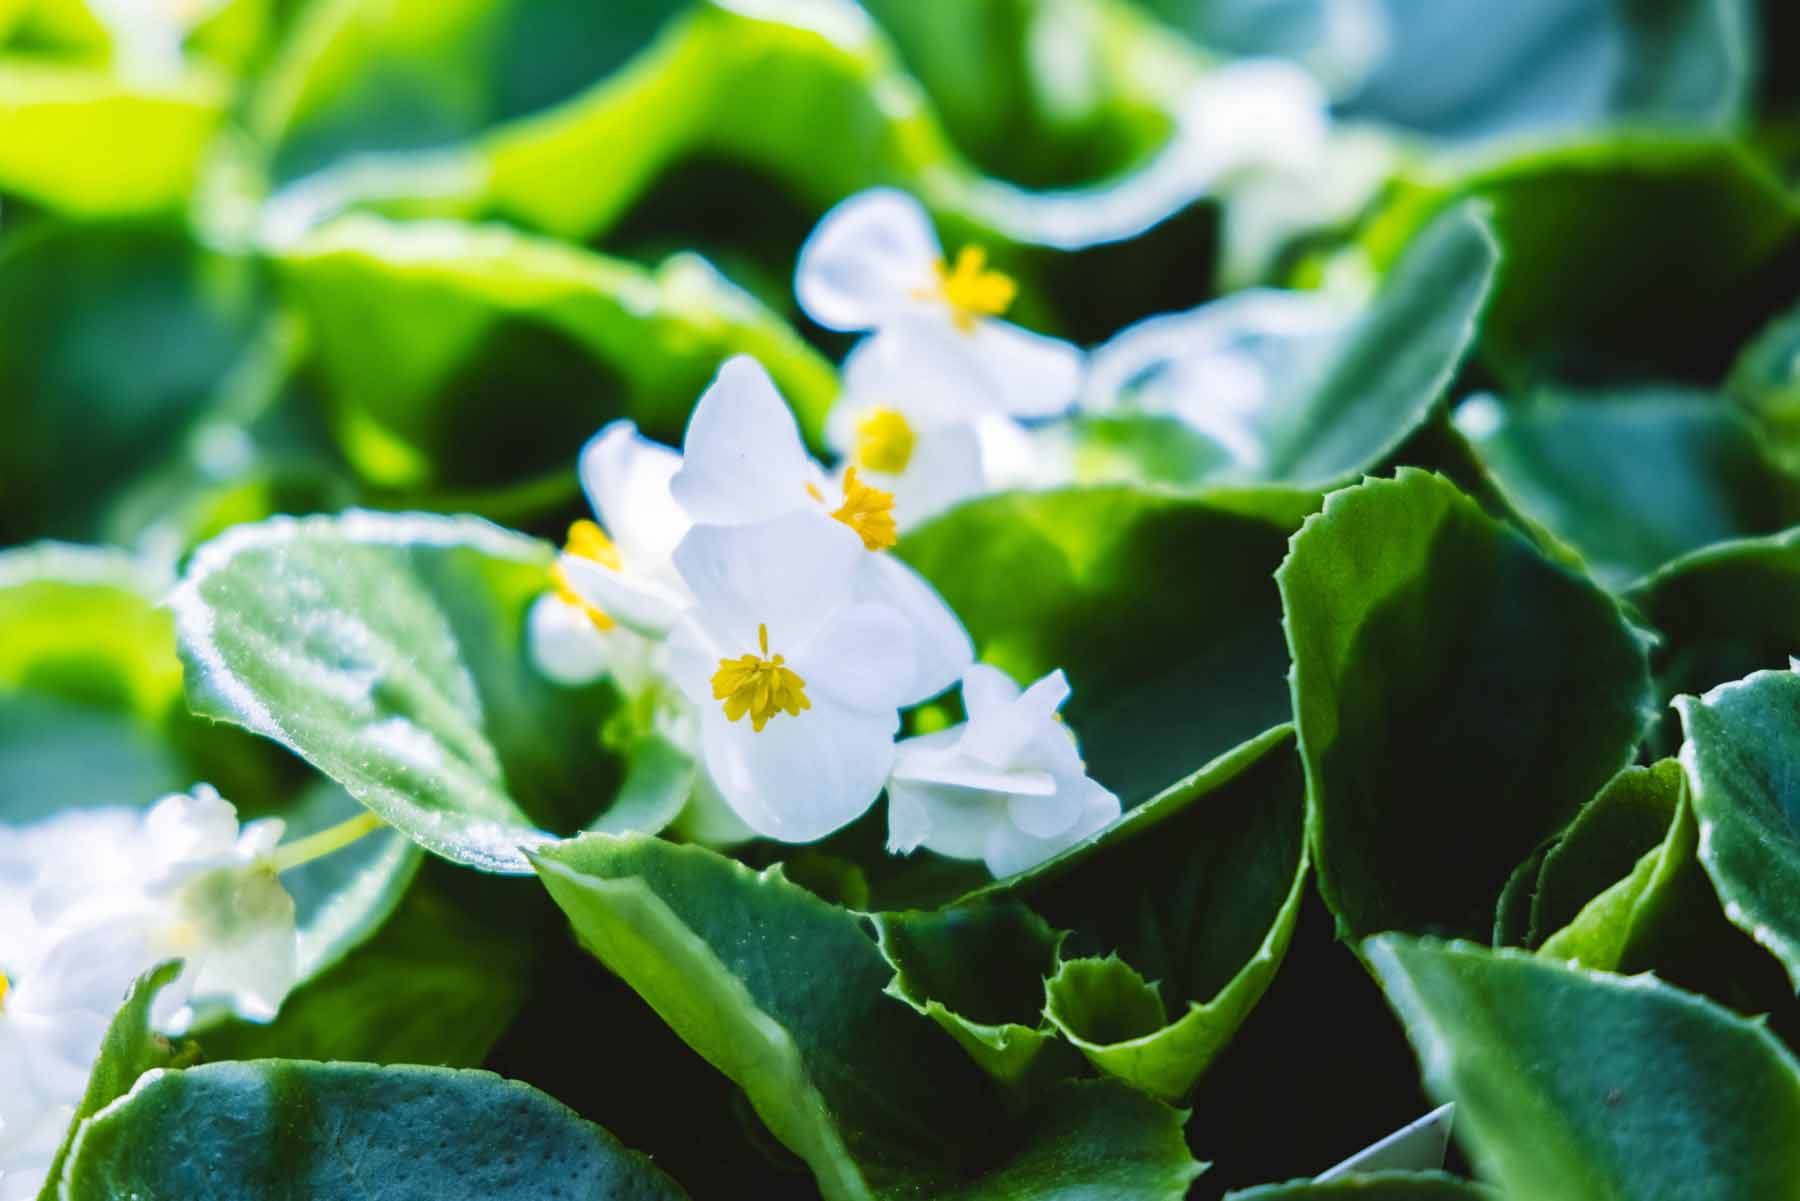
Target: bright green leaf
1458,698
388,651
1627,819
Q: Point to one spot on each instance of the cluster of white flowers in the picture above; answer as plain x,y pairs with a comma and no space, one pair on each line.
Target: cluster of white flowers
746,595
93,898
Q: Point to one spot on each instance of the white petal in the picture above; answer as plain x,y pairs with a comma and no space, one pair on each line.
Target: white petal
800,778
1045,816
863,263
1011,849
626,477
941,645
935,759
986,690
197,826
1000,733
908,823
1266,114
638,602
957,822
790,573
945,470
865,656
564,645
1033,375
923,369
742,460
693,658
707,819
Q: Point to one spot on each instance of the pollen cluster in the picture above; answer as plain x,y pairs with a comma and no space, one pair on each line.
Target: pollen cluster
868,511
884,441
759,685
586,541
972,291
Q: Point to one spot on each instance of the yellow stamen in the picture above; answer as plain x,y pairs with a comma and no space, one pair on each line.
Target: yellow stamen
971,290
5,987
868,511
759,685
586,541
884,441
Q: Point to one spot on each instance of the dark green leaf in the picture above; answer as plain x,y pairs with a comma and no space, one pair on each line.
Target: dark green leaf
785,994
1160,608
1629,818
282,1128
1571,1085
1458,698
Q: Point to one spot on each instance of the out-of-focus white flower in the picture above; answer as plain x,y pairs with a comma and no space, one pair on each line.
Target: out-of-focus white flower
874,262
53,1015
798,681
1007,786
1253,116
1222,368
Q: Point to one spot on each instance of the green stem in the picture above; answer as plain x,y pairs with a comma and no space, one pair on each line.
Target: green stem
290,855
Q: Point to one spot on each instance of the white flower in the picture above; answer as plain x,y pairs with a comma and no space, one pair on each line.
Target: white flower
1008,786
1222,368
52,1019
873,262
743,463
799,681
201,890
618,571
1259,115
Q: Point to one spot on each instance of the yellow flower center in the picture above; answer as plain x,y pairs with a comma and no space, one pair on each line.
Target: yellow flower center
884,442
586,541
759,685
868,511
5,987
971,290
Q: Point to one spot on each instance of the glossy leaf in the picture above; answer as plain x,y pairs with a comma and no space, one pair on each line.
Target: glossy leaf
387,650
1741,755
279,1128
1159,608
786,995
1395,363
1571,1085
1197,890
1633,479
1458,698
978,971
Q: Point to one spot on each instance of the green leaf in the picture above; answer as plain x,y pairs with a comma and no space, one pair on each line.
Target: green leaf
140,144
388,651
127,1050
1458,698
1723,612
476,360
786,995
1628,819
113,340
1634,478
1159,607
1198,890
978,971
1765,379
282,1128
1394,365
1376,1186
1571,1085
1579,287
437,982
1743,746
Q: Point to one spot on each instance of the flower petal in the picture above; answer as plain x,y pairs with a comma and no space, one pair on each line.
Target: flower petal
1032,375
790,573
862,265
999,734
941,646
800,778
742,459
626,477
565,646
952,821
946,469
865,656
638,602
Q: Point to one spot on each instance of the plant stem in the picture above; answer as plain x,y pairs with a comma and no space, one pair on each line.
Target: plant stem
291,855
